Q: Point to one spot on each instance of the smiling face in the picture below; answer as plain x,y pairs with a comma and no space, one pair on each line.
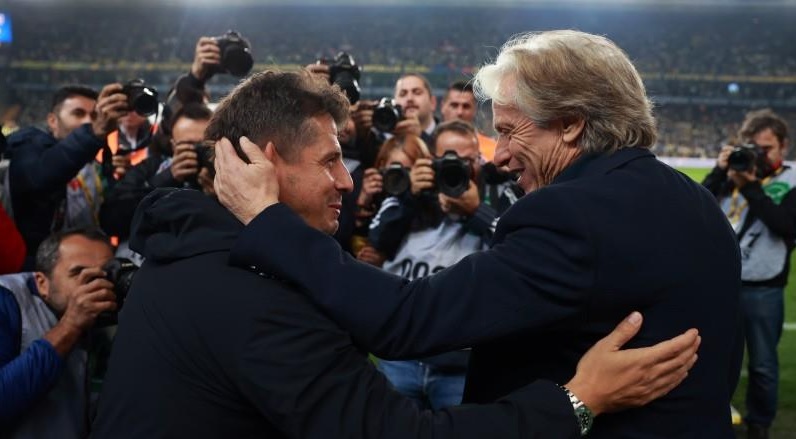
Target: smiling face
537,154
313,183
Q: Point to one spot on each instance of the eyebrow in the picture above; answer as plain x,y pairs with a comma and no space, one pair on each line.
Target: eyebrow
334,155
76,270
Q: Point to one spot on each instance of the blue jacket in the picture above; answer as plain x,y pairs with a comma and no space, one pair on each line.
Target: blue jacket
40,168
25,375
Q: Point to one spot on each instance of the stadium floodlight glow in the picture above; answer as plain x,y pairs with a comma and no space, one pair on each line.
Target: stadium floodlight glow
5,28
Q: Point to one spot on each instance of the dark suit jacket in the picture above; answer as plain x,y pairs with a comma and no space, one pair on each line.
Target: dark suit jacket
612,234
206,350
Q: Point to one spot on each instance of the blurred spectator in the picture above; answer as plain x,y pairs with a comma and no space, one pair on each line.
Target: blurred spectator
43,344
424,231
180,170
460,103
53,179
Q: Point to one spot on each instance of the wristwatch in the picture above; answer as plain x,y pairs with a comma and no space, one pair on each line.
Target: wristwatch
582,413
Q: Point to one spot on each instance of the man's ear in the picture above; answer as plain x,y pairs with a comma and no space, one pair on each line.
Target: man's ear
271,153
43,284
571,128
52,122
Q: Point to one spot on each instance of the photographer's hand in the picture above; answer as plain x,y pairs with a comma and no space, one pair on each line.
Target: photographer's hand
185,163
466,204
362,114
408,126
742,178
93,297
609,379
245,189
121,163
321,70
724,156
371,186
111,105
421,176
207,55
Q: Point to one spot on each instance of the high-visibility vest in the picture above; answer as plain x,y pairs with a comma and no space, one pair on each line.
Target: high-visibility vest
136,156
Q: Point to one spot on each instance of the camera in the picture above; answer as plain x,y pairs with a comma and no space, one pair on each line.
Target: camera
344,72
747,156
395,179
120,272
386,115
141,98
204,156
236,57
452,174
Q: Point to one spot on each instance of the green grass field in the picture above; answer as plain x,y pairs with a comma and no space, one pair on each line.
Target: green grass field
785,425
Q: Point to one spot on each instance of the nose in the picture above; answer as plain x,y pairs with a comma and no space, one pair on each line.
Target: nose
342,179
502,153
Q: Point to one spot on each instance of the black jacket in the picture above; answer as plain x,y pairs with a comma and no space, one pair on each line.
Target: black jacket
206,350
40,168
612,234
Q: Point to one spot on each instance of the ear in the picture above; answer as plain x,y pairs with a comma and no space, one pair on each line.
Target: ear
52,122
43,284
571,128
271,153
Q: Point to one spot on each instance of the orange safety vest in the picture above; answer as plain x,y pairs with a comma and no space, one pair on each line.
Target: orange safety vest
487,147
136,156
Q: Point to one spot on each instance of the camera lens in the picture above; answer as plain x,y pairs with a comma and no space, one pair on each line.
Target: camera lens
237,60
396,179
386,115
452,174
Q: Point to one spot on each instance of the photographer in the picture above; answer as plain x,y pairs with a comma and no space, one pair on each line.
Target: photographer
755,190
181,170
44,318
426,230
55,183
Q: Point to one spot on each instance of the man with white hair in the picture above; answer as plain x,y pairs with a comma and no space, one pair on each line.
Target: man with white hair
605,228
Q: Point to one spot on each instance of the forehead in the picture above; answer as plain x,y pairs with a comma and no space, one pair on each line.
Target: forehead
77,101
325,139
459,142
766,137
461,97
184,127
410,83
507,115
79,250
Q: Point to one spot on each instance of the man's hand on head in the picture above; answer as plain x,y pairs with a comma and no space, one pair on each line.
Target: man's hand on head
608,379
245,189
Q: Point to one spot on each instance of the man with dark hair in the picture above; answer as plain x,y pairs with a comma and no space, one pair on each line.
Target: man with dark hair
459,103
54,181
183,168
44,318
207,350
756,192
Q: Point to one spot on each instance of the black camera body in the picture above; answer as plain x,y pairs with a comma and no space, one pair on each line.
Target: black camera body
141,98
747,156
395,178
119,272
345,72
386,115
452,174
236,56
204,156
